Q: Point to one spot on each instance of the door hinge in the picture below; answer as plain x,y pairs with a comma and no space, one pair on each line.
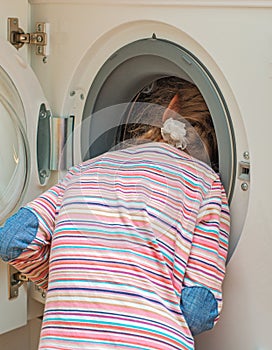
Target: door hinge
17,37
62,142
16,279
55,140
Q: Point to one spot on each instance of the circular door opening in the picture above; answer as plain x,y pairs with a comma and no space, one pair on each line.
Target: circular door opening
13,155
134,71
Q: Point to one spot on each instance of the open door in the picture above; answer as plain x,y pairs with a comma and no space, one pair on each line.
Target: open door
24,172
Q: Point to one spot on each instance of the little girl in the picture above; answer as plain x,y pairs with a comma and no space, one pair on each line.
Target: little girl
131,245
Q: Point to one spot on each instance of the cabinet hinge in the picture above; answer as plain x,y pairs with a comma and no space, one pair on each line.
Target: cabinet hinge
39,38
16,279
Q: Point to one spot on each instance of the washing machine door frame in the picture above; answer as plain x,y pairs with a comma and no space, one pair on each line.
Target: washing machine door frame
230,167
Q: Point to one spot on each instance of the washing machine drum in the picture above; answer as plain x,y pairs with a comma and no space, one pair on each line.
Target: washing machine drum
142,72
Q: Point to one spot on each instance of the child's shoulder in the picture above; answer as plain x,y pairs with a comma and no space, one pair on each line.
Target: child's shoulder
160,153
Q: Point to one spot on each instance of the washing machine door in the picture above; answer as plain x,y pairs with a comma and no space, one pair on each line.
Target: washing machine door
13,147
23,110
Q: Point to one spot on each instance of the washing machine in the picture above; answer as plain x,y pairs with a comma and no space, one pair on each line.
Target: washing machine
64,97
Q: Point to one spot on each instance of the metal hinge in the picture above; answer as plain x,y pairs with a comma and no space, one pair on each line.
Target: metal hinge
54,143
62,142
16,279
18,37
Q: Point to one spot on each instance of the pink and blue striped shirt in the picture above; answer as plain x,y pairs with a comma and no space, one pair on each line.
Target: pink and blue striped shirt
120,242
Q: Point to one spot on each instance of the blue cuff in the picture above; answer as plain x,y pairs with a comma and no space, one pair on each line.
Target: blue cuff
199,308
17,233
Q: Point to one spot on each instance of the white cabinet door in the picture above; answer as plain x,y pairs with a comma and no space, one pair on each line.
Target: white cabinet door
21,98
13,313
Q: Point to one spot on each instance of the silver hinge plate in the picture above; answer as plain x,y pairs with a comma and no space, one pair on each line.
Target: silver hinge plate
17,37
54,143
62,142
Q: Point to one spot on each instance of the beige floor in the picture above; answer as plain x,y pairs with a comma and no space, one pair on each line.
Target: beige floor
24,338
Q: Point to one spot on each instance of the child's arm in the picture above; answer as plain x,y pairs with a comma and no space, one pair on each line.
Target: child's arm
25,238
201,298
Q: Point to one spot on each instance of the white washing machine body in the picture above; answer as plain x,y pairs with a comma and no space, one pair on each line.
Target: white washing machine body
228,43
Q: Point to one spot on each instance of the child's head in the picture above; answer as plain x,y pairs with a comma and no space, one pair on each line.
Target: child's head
181,100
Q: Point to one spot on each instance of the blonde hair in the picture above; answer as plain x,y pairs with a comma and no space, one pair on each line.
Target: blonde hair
181,100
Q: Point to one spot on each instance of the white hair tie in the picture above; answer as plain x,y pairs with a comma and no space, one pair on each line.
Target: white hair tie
174,132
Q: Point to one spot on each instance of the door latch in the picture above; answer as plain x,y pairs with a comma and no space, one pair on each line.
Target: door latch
17,37
16,279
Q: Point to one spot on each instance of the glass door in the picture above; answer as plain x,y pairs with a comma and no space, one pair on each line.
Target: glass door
13,147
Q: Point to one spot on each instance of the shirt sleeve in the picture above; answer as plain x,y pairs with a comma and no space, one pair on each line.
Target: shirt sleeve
201,298
25,239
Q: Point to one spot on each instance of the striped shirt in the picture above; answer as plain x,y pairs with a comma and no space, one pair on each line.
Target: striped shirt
118,240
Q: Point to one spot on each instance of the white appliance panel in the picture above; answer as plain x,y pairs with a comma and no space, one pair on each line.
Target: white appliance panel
233,40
